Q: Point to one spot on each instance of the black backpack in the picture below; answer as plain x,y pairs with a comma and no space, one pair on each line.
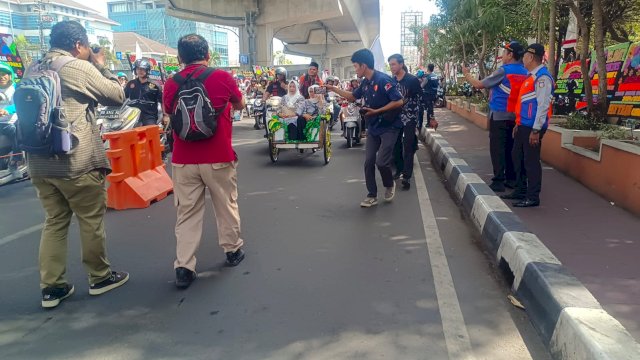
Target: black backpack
42,127
194,117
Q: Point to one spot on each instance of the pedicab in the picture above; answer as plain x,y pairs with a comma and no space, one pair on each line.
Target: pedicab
316,133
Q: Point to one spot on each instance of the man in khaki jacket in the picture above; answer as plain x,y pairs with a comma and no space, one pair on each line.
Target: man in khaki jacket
74,183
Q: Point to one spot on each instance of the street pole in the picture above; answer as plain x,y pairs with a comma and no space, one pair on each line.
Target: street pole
43,48
10,17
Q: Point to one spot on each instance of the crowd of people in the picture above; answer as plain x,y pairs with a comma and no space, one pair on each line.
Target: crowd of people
73,182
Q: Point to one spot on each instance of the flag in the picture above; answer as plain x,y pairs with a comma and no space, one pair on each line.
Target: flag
138,51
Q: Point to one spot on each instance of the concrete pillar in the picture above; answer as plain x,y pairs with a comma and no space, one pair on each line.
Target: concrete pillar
325,64
264,45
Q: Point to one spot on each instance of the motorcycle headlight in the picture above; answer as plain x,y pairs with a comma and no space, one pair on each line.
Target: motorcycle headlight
116,125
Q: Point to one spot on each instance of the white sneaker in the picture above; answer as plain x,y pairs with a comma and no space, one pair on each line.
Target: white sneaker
369,202
390,193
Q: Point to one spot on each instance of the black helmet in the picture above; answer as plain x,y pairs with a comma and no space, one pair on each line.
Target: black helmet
281,71
142,63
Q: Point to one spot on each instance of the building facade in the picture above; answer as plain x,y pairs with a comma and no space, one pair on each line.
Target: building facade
148,18
20,17
409,21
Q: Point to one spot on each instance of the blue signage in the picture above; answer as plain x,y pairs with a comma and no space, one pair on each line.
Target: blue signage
244,59
119,55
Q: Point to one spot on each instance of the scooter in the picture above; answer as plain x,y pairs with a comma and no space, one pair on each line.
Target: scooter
259,107
125,117
333,108
8,174
351,128
440,101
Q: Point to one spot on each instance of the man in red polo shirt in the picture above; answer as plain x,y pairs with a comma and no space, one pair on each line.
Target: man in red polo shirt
209,163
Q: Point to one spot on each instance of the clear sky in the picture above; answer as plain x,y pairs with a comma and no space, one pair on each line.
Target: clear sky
389,27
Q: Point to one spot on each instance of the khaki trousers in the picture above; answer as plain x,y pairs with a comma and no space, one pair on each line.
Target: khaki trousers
86,197
189,182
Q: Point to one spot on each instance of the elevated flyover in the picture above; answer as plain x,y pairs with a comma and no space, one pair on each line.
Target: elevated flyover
327,30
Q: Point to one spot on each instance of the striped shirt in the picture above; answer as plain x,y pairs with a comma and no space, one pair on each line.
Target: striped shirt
83,87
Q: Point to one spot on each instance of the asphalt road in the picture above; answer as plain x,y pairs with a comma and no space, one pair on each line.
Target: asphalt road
323,278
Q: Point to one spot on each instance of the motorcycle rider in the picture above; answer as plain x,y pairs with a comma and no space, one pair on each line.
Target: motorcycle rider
429,84
144,94
309,79
7,111
279,86
123,79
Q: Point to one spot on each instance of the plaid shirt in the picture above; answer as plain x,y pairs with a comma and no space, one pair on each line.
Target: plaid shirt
83,87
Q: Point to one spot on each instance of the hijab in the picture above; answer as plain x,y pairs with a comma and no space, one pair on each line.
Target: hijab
289,100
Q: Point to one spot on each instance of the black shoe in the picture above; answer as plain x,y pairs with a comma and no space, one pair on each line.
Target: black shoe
52,296
527,203
497,186
235,258
116,279
510,184
406,184
184,277
513,196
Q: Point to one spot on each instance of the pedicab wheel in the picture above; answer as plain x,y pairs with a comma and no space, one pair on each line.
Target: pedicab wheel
327,147
273,151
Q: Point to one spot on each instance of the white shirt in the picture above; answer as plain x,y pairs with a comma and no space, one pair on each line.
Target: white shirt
543,88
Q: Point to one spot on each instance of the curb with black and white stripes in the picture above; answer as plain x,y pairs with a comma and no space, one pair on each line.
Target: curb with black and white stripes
569,319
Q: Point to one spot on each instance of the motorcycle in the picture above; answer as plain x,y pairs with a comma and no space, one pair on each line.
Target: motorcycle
258,112
125,117
7,173
440,101
351,128
333,108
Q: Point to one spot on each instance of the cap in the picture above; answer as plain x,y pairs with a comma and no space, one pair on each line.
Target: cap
536,49
514,47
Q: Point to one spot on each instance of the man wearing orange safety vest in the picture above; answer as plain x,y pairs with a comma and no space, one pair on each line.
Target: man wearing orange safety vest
533,111
505,85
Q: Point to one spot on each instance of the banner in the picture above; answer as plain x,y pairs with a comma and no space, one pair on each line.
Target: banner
625,101
10,56
615,55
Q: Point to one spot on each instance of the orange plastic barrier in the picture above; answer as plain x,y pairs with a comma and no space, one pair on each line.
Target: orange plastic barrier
139,176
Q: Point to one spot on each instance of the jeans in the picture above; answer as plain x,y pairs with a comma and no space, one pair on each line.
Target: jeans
428,104
379,152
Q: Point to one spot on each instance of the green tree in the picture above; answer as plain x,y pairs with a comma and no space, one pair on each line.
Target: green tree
26,49
215,58
109,53
280,58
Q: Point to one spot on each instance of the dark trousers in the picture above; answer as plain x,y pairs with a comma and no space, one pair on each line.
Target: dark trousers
420,115
296,132
379,152
528,168
428,105
405,148
500,148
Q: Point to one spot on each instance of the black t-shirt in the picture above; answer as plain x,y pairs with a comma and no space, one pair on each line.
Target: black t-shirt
144,97
410,89
276,90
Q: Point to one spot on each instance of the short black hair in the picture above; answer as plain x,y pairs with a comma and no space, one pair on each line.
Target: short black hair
314,64
65,35
431,67
192,47
363,56
399,59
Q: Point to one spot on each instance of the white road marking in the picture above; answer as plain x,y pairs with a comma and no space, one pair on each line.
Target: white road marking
21,233
455,331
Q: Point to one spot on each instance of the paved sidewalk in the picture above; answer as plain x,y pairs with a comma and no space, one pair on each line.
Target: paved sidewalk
597,241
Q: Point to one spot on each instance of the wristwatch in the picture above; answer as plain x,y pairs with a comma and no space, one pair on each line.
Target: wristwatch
535,131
